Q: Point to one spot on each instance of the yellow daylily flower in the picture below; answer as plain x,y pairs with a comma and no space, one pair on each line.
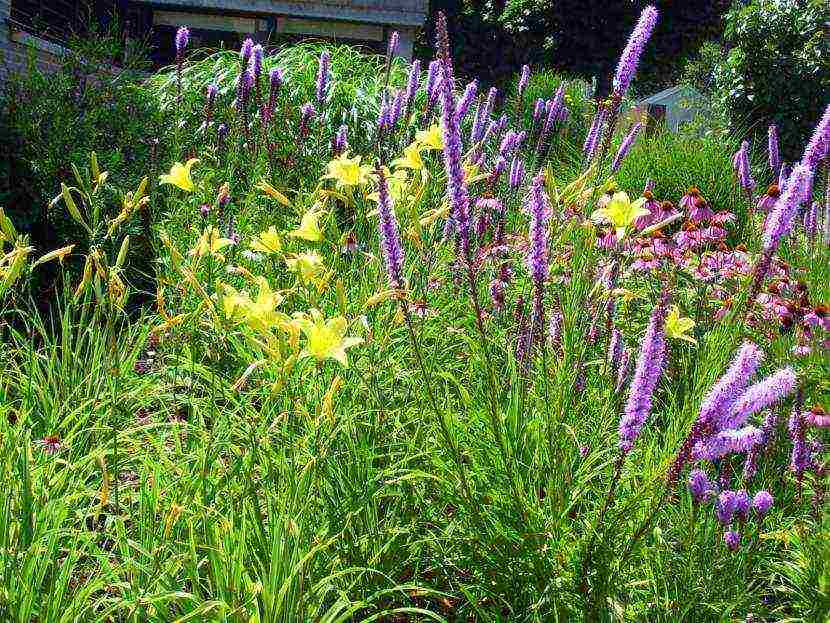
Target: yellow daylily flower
179,175
309,228
307,265
433,138
268,242
411,159
347,171
261,314
620,212
325,339
210,243
677,326
234,303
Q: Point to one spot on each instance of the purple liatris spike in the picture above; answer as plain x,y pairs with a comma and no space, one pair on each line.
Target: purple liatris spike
243,88
630,57
762,502
727,442
323,76
524,78
466,100
384,116
718,402
732,539
412,84
622,370
275,80
210,100
800,460
392,48
517,173
256,61
552,113
538,207
647,373
307,113
182,39
780,220
811,221
589,147
626,144
433,82
816,147
456,183
245,52
340,142
772,149
761,395
396,110
615,347
538,110
725,507
390,239
700,486
744,169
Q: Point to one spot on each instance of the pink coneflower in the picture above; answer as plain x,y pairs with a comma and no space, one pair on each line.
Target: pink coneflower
51,444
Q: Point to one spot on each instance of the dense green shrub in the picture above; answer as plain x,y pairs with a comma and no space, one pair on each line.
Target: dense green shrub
776,68
52,119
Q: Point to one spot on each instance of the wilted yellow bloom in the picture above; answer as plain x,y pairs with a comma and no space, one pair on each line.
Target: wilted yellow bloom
327,406
268,242
273,193
179,175
347,171
433,138
411,158
309,228
210,243
621,212
325,339
677,327
307,265
57,254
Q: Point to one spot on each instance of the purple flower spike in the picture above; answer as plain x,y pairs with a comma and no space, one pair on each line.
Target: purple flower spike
726,442
340,143
243,88
732,540
725,507
392,48
256,61
718,402
466,100
594,132
323,77
779,223
800,460
182,39
773,151
523,80
538,207
276,80
412,84
761,395
390,239
517,173
646,375
538,110
245,52
634,49
396,111
615,346
816,147
700,486
762,503
307,113
456,184
433,82
626,144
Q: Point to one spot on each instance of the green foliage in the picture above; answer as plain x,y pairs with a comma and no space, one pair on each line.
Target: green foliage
776,68
52,119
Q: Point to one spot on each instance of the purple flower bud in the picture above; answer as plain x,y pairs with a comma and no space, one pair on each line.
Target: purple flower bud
466,100
700,486
392,48
256,62
433,82
323,76
523,80
625,146
390,240
762,503
634,49
646,375
182,39
742,504
245,52
517,173
732,540
340,142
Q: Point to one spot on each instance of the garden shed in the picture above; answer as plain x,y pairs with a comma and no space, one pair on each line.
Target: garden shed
673,106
